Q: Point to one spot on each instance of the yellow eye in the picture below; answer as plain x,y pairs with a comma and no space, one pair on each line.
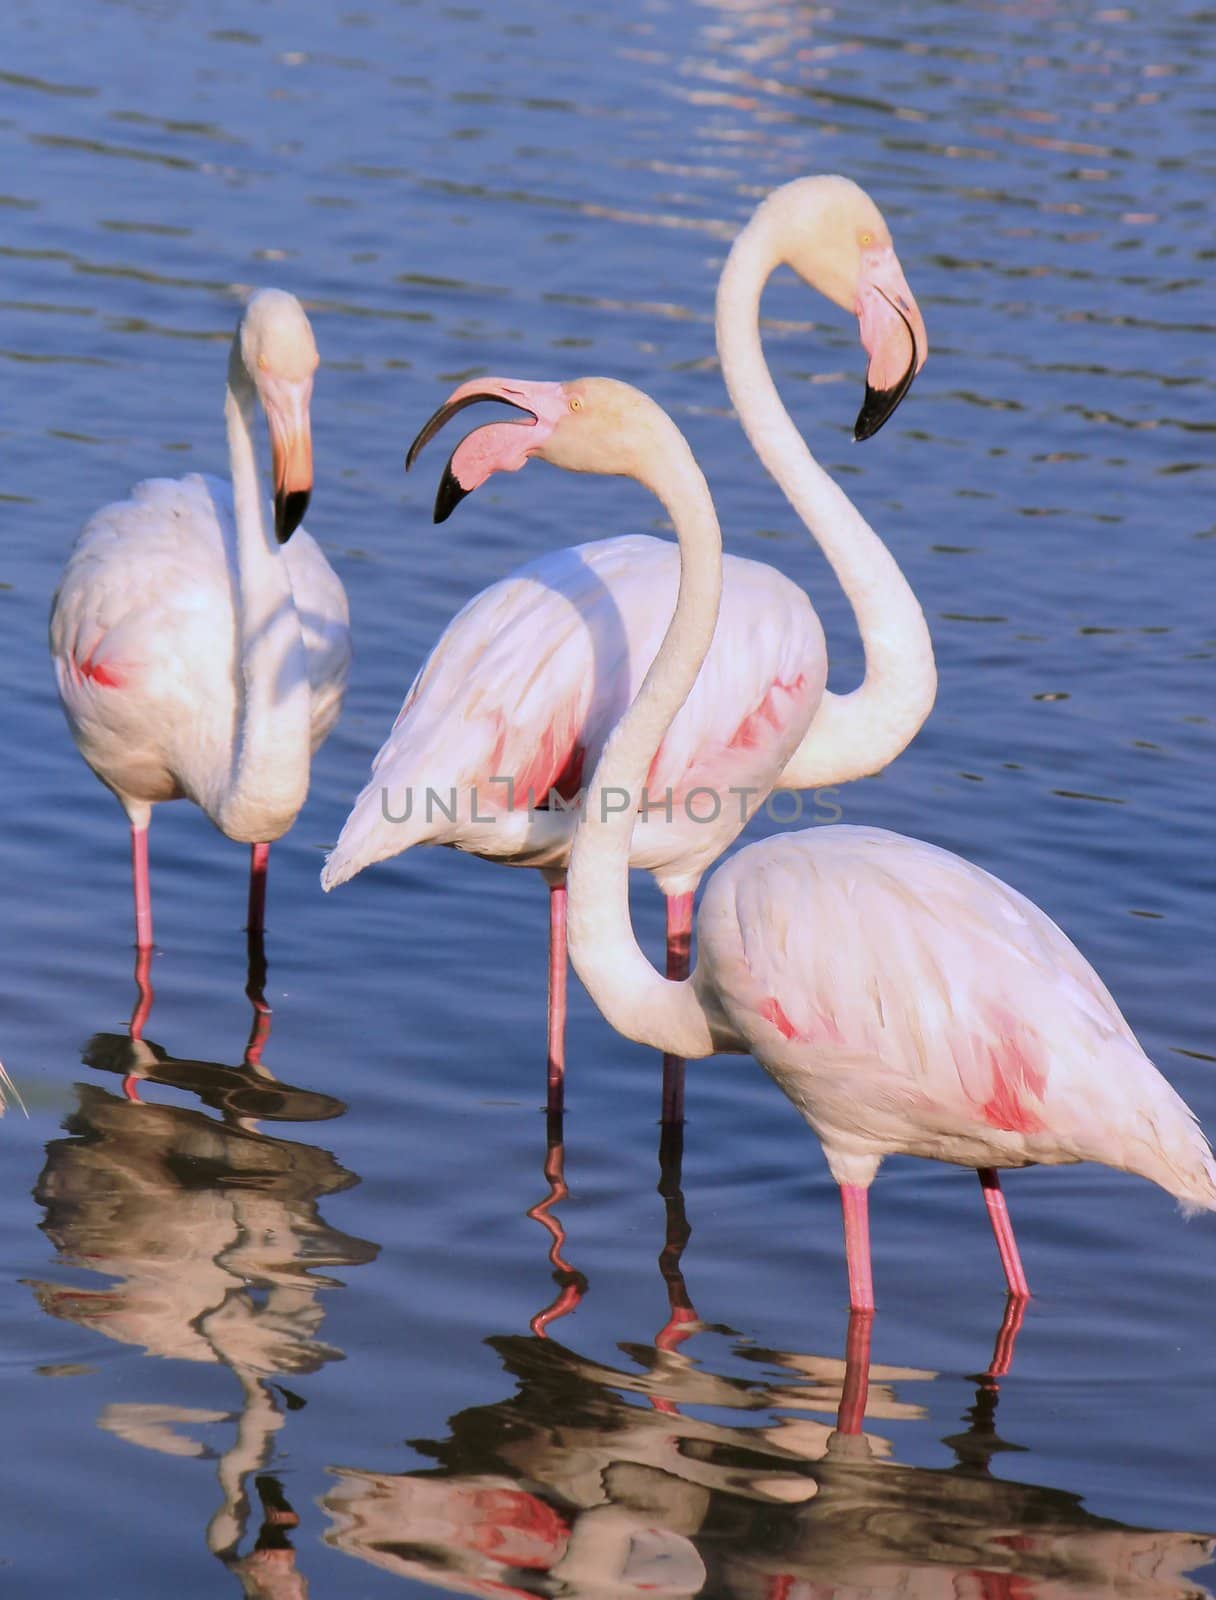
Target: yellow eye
866,240
575,403
263,364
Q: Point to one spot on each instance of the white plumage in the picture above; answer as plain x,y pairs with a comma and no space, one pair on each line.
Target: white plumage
145,604
197,656
909,1002
528,680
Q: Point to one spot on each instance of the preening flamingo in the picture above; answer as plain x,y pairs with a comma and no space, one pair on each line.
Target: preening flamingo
526,681
197,658
906,1001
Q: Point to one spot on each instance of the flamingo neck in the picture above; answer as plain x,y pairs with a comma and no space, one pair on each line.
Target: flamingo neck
854,734
634,998
267,780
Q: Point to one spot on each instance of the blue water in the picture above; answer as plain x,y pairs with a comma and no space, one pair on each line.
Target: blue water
322,1295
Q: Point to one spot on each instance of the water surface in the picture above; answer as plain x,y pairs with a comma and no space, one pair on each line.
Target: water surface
371,1293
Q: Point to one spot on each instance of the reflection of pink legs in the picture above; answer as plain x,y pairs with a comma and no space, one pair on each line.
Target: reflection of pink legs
143,985
679,937
259,860
856,1390
143,892
571,1283
255,991
1007,1245
855,1204
1011,1326
139,1017
557,997
682,1317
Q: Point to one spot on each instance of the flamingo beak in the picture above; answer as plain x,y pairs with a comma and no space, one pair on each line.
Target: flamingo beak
287,412
495,447
893,333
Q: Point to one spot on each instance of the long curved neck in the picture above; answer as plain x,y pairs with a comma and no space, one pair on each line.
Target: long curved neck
267,780
854,734
633,997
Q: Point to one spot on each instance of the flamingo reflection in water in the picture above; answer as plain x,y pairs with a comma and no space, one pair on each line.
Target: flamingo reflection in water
210,1236
596,1480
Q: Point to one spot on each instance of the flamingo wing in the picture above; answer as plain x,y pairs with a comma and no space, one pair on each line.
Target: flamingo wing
142,637
514,704
907,1000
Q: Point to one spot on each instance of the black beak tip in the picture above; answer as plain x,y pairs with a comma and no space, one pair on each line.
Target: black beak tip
876,408
289,509
448,496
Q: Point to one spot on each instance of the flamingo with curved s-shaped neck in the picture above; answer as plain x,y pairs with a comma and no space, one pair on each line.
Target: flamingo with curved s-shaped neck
198,658
906,1001
521,690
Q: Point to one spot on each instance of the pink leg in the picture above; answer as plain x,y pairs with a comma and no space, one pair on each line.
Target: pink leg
679,937
259,860
1006,1244
557,997
682,1320
855,1204
856,1391
143,892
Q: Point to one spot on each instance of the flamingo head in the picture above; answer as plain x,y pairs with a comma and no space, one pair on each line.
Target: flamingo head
587,425
276,348
834,237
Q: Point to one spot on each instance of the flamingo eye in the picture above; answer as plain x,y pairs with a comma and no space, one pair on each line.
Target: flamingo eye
575,403
263,364
867,239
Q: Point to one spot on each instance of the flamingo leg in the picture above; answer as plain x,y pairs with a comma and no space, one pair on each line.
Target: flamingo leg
255,992
855,1205
1006,1244
679,937
557,997
856,1389
259,860
143,891
683,1319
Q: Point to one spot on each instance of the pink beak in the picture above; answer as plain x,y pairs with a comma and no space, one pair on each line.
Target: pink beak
893,333
496,447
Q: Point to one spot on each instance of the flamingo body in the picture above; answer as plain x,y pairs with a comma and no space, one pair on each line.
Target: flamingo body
909,1002
199,654
528,680
144,642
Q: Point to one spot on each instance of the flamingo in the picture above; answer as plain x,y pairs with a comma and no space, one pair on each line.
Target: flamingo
197,658
906,1001
513,704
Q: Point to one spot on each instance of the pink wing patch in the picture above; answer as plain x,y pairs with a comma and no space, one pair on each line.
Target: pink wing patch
104,674
1015,1077
555,766
773,1011
769,716
821,1030
757,730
